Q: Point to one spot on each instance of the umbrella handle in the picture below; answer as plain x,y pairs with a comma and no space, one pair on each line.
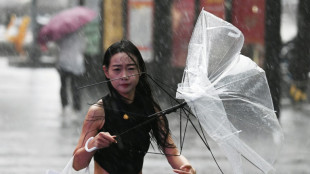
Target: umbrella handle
86,145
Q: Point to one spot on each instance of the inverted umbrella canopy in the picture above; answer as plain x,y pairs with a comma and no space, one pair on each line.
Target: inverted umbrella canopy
229,95
64,23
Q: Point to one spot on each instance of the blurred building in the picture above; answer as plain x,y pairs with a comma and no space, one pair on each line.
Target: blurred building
18,29
160,29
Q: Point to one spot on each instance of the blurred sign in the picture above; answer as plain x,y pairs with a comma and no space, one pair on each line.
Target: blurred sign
92,34
215,7
112,22
17,36
250,19
140,28
183,16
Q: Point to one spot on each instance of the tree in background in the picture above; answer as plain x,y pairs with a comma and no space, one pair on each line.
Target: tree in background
273,46
162,37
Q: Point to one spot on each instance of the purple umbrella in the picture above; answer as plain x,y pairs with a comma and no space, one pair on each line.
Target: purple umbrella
64,23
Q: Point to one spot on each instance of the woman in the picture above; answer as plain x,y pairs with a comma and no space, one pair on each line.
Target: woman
117,126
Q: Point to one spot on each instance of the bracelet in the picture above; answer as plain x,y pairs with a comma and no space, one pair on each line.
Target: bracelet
86,145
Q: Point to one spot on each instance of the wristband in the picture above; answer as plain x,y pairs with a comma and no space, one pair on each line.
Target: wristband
86,145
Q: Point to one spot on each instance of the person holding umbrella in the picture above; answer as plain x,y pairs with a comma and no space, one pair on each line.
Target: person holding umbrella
117,130
65,29
71,66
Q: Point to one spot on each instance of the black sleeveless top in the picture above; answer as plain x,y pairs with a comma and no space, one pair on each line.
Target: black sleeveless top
127,155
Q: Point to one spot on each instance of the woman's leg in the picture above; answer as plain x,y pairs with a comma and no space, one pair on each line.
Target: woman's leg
75,92
63,88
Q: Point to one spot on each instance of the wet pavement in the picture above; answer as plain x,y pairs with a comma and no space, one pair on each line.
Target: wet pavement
36,135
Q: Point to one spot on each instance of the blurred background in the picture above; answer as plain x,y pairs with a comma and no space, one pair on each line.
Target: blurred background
35,132
162,31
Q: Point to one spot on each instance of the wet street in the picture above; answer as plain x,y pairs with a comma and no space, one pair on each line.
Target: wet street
36,135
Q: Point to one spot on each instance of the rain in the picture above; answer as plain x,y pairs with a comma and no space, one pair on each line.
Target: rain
39,129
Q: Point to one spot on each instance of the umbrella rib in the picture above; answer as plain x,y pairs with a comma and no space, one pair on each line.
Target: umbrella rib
201,129
203,138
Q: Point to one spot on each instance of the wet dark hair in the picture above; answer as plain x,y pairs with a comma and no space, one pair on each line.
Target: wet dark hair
160,128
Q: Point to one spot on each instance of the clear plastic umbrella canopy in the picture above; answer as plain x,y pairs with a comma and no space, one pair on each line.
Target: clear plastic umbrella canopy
229,95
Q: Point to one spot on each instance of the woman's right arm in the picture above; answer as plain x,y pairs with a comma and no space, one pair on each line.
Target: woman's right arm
93,122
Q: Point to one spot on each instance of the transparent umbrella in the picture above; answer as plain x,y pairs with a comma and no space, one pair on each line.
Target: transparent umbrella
229,95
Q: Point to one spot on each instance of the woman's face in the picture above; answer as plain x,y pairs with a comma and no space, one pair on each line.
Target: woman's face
124,74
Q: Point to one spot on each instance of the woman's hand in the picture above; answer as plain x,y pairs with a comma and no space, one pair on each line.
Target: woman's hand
185,169
103,140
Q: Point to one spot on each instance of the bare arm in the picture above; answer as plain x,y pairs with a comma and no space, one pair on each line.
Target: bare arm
93,122
178,162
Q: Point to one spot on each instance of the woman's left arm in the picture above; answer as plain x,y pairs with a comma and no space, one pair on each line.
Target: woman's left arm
178,162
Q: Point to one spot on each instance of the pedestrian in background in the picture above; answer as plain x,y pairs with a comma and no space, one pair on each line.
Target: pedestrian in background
71,67
65,28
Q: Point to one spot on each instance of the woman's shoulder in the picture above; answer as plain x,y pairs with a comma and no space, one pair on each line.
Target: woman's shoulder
99,105
95,117
96,109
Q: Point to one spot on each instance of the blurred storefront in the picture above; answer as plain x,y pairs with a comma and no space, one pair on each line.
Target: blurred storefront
135,20
250,19
20,21
160,29
140,26
184,14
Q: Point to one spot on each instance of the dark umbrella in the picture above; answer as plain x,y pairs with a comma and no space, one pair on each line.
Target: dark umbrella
64,23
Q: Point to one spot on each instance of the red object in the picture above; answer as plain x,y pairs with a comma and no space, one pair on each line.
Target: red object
249,17
65,22
215,7
183,16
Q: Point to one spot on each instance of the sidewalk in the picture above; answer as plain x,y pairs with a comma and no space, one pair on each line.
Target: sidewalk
35,134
